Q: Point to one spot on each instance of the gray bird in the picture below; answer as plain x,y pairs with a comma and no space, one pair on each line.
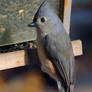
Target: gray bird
54,48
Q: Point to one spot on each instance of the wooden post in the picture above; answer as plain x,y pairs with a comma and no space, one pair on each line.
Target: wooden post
77,44
67,14
13,59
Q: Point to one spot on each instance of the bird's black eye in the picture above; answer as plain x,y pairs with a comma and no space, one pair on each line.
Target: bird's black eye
43,20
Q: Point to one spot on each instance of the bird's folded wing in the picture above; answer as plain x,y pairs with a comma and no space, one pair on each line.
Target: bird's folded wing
59,50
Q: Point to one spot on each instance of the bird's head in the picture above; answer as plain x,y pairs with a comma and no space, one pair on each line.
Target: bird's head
45,18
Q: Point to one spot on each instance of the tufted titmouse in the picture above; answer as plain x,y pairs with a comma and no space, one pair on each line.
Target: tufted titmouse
54,47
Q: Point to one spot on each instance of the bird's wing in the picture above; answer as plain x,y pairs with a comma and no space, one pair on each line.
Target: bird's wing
59,50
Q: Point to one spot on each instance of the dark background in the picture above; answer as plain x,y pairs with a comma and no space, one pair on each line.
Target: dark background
81,28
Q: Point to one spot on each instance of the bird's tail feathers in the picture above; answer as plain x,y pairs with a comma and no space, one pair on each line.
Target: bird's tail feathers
71,88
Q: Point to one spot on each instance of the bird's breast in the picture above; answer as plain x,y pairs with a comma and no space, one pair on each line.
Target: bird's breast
46,64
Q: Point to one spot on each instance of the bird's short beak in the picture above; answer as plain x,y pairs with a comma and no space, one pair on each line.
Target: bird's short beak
33,24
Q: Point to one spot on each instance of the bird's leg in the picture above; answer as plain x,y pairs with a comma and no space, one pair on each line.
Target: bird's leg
60,86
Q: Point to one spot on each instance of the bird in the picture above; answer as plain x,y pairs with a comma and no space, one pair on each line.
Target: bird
54,47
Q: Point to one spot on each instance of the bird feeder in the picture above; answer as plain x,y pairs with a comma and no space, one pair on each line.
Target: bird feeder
14,17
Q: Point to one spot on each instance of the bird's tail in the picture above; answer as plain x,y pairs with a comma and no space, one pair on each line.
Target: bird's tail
71,88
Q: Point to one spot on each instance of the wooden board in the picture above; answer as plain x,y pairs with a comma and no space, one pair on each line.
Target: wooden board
21,58
13,59
77,47
67,14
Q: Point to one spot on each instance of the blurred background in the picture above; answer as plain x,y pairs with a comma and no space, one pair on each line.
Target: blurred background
81,28
25,79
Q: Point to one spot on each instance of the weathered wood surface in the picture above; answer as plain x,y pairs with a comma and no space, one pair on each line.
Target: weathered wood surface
13,59
67,14
21,58
14,17
77,47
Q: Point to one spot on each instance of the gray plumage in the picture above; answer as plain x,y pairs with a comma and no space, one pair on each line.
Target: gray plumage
52,37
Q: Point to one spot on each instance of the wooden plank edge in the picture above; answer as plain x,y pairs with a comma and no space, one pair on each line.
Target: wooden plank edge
20,58
67,14
77,47
13,59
